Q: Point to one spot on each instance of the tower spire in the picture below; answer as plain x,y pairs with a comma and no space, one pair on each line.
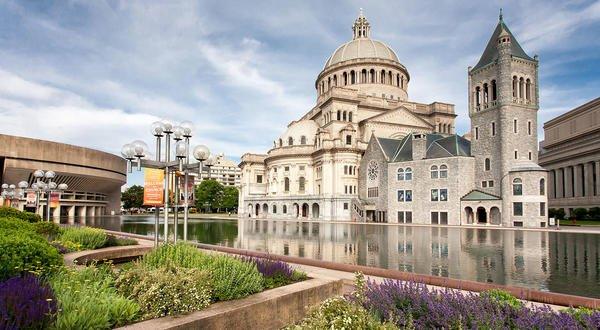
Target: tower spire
361,28
500,16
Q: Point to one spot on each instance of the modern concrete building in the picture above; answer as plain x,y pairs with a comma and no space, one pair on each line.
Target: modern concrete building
94,178
571,153
225,171
493,179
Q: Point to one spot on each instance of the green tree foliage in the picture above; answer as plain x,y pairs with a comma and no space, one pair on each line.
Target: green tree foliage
580,213
209,194
594,213
230,198
133,197
558,214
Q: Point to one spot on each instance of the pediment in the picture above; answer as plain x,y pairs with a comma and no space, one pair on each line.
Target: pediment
400,116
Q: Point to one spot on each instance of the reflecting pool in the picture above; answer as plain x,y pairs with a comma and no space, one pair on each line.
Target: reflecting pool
549,261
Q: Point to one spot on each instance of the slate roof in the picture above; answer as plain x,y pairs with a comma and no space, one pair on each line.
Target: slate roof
476,195
437,146
490,54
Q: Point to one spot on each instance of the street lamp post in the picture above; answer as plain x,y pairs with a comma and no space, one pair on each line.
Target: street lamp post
9,191
181,135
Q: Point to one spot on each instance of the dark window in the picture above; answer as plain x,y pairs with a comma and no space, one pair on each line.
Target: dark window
443,218
348,139
345,206
518,209
434,218
542,209
259,179
517,187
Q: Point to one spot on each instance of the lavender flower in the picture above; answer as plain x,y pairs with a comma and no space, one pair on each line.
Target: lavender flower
26,303
270,268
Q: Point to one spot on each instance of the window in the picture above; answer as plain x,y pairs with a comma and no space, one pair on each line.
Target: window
303,139
529,127
400,175
493,129
484,184
488,164
408,174
348,139
373,192
302,167
443,218
404,217
542,187
516,154
274,209
542,209
443,195
529,155
491,183
476,133
259,178
434,172
518,209
515,126
404,195
435,218
290,141
435,195
301,184
345,170
443,171
286,184
287,168
345,206
517,187
284,209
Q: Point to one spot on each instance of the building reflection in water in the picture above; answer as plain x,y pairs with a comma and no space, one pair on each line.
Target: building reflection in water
549,261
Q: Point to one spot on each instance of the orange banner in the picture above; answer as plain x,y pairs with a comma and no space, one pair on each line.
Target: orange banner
54,199
154,187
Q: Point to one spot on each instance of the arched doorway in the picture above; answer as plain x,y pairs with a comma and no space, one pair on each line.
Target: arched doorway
315,211
296,210
481,215
495,216
257,210
265,210
305,210
469,215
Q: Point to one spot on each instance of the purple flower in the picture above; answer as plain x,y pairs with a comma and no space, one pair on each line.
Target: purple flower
26,303
271,268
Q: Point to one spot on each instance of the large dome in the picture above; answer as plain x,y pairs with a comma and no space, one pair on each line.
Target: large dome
361,48
299,133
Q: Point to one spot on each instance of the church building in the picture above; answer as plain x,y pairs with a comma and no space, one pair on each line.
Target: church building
365,152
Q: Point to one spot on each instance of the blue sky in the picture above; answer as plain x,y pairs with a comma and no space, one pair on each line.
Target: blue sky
97,73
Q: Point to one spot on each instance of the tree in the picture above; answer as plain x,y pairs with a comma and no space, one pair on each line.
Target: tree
133,197
558,214
580,213
594,213
209,194
230,198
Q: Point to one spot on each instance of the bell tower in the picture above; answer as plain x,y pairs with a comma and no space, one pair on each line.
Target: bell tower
503,104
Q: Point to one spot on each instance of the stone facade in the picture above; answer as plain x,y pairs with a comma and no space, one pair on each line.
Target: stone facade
312,171
571,153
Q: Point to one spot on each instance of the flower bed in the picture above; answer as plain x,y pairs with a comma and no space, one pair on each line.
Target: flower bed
397,304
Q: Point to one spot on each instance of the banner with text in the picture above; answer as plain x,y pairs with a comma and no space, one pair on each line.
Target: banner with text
154,187
31,199
54,199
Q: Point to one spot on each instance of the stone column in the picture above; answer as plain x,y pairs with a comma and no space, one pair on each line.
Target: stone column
588,178
577,180
550,186
597,169
560,179
569,181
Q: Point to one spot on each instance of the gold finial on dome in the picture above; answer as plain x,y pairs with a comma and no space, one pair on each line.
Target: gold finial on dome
361,28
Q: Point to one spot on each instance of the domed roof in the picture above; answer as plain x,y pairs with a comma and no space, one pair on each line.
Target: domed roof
361,46
297,129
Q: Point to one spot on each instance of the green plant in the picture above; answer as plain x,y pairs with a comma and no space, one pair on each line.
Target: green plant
9,212
594,213
181,255
558,214
13,223
502,298
166,290
89,238
49,230
580,213
66,246
23,251
88,300
119,241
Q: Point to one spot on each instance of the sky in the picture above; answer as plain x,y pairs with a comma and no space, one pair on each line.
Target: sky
98,73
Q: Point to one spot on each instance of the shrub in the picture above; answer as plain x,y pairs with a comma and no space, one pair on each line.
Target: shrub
594,213
64,247
88,238
166,291
276,273
9,212
87,299
49,230
26,303
16,224
119,241
501,297
231,278
580,213
23,251
559,214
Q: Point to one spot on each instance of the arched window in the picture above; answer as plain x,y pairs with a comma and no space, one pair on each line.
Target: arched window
274,209
389,80
344,116
488,164
443,171
440,127
382,77
335,80
280,143
286,184
363,76
339,115
398,80
290,141
515,86
408,174
528,89
372,74
284,209
352,77
434,172
494,91
477,96
485,93
400,175
345,78
517,187
329,83
521,88
542,186
402,82
349,116
301,184
303,139
348,139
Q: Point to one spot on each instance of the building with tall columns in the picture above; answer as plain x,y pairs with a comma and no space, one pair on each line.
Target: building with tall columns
493,179
571,153
312,169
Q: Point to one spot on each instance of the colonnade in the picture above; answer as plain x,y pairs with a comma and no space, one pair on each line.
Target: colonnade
577,180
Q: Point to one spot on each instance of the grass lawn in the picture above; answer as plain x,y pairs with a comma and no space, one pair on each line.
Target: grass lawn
580,223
